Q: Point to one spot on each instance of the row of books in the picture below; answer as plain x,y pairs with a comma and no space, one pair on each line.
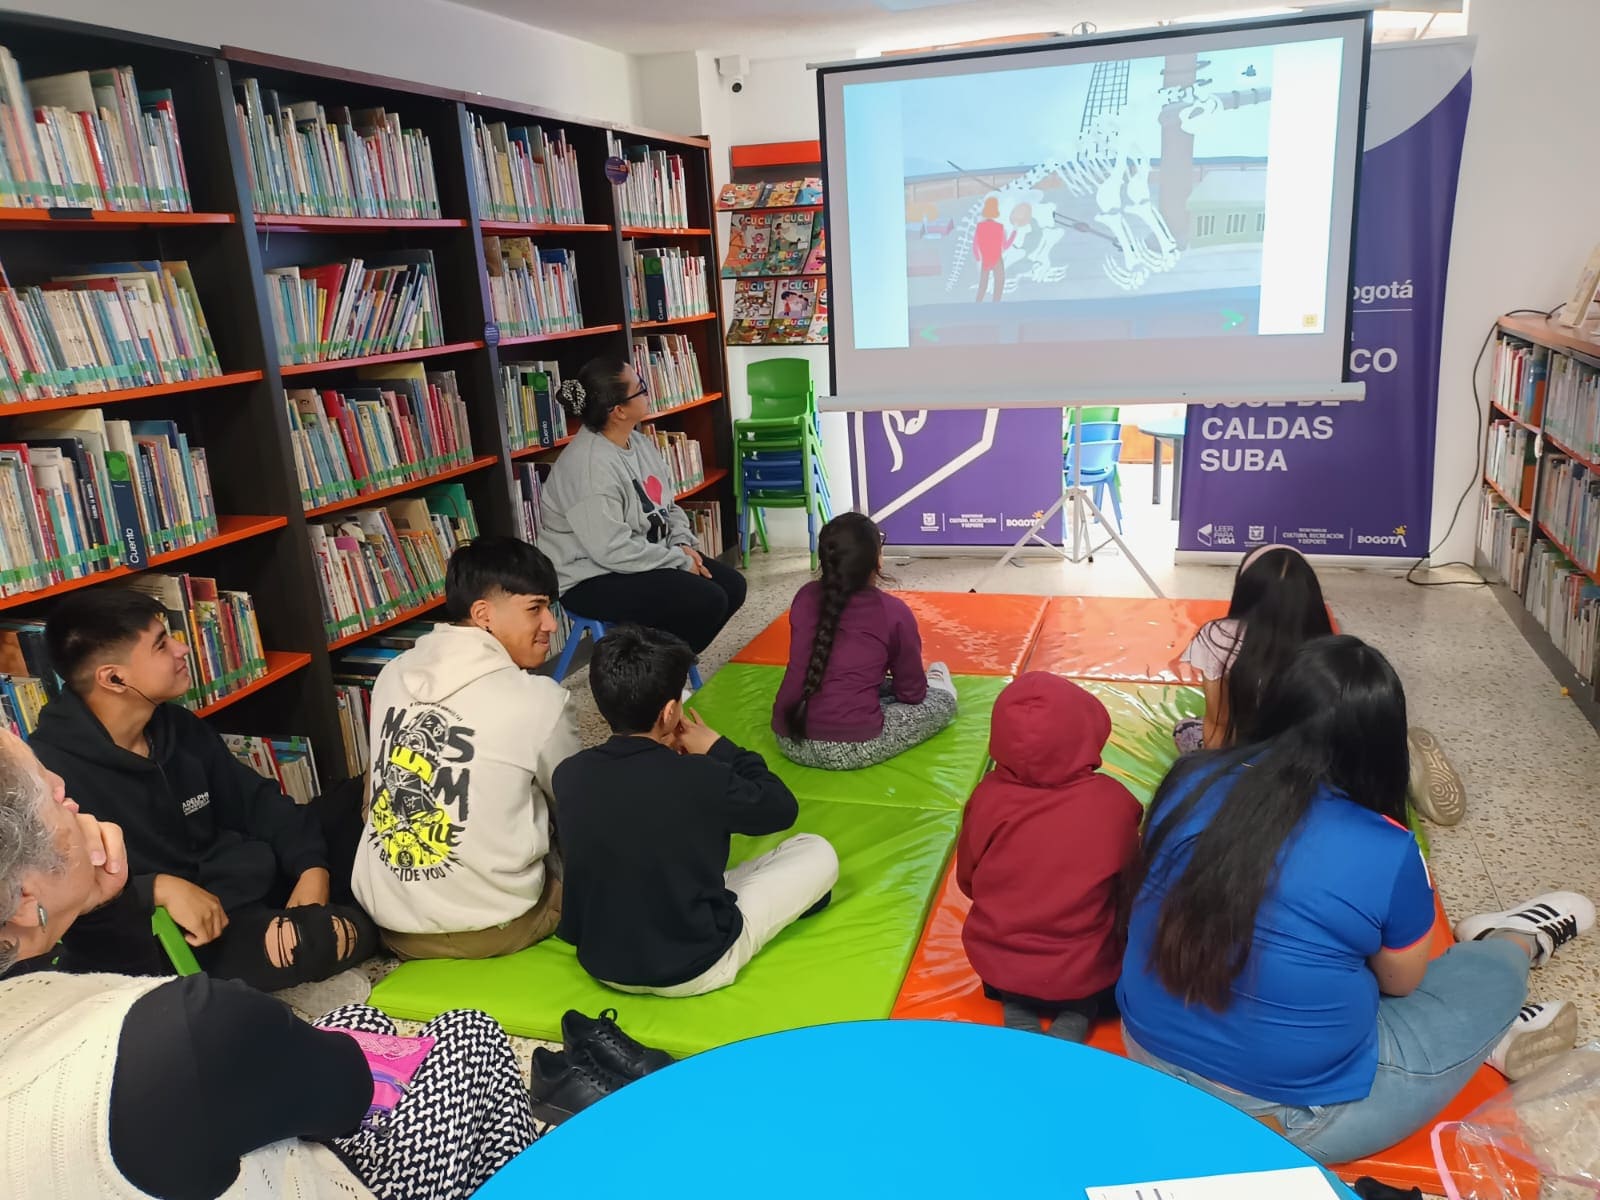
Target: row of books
406,424
374,563
1509,460
670,368
524,174
101,328
28,681
706,518
375,305
80,494
530,477
533,415
532,291
1566,603
220,628
304,159
685,465
1517,377
88,139
666,283
655,193
1504,536
790,243
781,194
1569,507
1572,405
289,762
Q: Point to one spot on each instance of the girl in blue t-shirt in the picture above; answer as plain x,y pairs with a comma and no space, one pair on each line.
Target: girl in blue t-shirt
1276,608
1278,949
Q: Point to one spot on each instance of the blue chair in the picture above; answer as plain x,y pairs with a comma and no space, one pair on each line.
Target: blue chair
597,630
1101,443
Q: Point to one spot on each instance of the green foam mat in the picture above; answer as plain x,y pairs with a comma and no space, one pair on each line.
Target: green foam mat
1142,751
938,774
844,964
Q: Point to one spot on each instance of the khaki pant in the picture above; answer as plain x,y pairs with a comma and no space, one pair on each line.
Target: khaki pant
772,890
533,926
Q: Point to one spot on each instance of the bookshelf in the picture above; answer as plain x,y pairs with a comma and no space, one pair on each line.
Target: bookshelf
784,301
1538,538
263,542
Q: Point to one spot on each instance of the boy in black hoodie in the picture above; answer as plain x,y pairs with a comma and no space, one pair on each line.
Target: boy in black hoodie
240,867
645,823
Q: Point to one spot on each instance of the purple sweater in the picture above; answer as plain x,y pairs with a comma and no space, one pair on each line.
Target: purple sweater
877,638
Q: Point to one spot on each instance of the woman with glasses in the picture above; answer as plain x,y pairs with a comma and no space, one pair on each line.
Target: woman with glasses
623,549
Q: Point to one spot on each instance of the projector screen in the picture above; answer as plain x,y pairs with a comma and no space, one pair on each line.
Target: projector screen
1147,217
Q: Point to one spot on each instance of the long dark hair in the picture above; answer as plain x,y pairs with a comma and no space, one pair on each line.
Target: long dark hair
1277,598
847,548
595,392
1334,718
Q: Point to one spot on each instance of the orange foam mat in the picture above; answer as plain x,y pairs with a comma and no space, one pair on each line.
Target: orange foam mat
941,986
1137,638
973,633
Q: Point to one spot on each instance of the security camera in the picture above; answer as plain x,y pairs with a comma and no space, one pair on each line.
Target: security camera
734,68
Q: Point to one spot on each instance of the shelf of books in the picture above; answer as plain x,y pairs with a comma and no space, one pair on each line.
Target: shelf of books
292,337
777,254
1539,514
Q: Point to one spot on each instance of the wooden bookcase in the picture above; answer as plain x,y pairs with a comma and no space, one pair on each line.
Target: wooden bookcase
1526,492
263,546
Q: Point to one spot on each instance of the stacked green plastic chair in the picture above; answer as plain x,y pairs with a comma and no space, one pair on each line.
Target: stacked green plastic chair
1091,416
778,452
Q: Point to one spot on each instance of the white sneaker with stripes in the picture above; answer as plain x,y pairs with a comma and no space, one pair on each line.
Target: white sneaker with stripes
1551,920
1540,1032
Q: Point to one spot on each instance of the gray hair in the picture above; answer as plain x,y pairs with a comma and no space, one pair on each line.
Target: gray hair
26,846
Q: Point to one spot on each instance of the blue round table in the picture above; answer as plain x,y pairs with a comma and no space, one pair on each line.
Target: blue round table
925,1109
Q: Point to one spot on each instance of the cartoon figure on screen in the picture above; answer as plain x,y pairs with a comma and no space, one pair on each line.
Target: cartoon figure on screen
990,242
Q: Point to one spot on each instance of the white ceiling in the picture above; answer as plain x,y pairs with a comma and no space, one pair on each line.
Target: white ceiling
781,28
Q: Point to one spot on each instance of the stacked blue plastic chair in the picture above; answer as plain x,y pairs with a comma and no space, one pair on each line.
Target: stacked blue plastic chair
596,630
778,452
1101,444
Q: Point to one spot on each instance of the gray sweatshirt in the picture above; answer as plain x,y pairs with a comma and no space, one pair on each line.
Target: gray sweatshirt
609,510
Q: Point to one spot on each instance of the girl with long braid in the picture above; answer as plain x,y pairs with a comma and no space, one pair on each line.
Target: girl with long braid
855,692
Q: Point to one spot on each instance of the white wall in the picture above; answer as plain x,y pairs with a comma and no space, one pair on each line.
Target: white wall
429,41
1526,216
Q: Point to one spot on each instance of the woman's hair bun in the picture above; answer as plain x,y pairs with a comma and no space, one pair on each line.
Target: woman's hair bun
572,397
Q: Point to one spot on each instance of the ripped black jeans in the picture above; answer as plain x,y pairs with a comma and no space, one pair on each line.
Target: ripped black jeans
325,939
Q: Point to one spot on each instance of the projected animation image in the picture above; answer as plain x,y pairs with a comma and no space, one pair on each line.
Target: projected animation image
1118,199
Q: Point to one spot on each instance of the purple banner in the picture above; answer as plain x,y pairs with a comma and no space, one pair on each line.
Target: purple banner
1356,479
957,478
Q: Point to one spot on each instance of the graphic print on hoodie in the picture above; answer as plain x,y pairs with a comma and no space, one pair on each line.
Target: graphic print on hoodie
650,493
1044,842
423,775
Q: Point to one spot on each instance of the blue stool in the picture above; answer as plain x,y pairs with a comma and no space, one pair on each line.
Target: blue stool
597,630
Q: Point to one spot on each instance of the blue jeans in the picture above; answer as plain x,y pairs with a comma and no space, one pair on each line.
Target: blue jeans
1429,1045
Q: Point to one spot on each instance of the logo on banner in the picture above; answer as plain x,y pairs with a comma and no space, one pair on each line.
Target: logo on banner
930,522
1258,533
1397,538
1216,535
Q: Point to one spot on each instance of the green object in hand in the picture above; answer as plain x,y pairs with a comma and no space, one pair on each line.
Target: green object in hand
179,952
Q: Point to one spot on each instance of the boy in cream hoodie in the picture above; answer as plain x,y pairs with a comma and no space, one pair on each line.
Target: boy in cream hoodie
464,742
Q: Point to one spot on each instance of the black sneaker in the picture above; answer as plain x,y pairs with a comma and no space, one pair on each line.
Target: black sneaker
599,1040
563,1085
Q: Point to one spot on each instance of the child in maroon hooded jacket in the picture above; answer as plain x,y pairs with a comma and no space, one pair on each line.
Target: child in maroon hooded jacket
1043,846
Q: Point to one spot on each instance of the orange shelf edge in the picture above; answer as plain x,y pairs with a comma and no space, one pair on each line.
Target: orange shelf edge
399,618
516,227
1567,550
775,154
334,364
1495,406
290,222
528,339
664,231
477,464
708,398
1563,448
230,529
1501,492
39,218
713,477
689,320
95,399
279,664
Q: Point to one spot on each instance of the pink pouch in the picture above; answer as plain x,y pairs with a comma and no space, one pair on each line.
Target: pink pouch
394,1062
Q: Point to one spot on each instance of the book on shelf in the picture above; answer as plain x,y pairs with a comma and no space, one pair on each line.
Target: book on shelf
219,627
1572,404
754,299
381,304
305,159
355,669
1566,603
522,173
1576,310
802,193
1569,507
670,369
810,191
289,762
532,291
817,257
406,424
534,417
738,195
374,563
705,516
80,494
666,283
685,465
1518,377
28,681
103,327
1504,536
1510,460
749,242
789,243
88,139
796,300
655,193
